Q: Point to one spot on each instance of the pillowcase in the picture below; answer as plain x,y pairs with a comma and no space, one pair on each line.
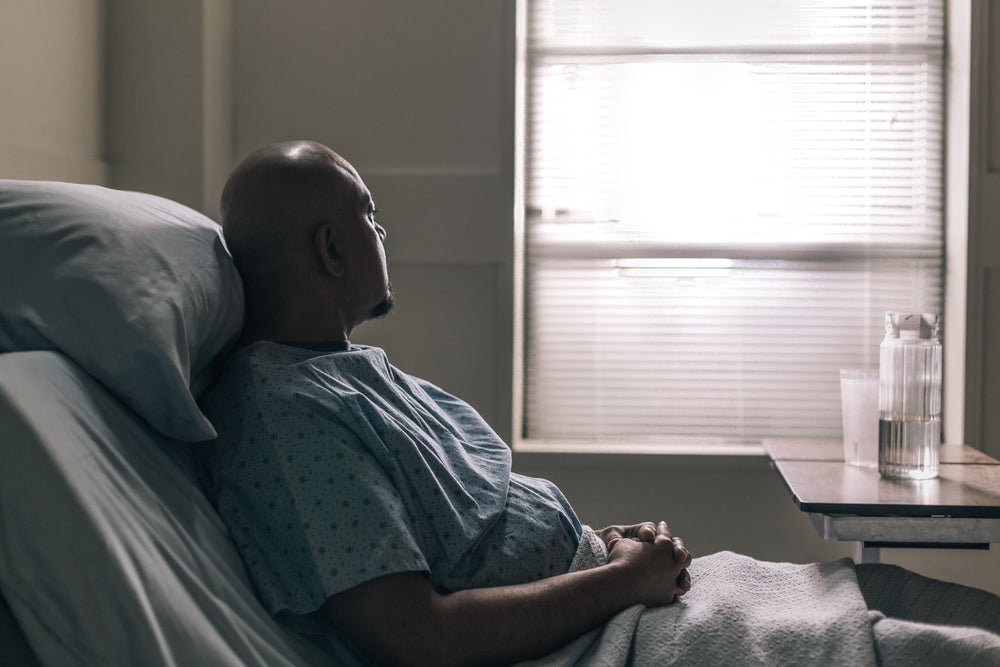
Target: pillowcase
139,290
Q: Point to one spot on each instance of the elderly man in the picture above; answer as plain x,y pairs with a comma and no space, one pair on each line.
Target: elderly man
368,502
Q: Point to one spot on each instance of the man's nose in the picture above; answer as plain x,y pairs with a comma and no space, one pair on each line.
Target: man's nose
381,231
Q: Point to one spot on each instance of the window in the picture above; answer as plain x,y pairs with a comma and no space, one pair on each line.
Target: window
722,199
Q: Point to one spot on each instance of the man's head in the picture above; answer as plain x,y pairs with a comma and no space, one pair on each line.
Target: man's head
300,224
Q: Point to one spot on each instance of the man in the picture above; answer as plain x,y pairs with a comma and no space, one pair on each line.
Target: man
369,501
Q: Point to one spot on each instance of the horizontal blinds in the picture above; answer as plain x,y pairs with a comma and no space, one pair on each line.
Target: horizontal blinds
717,25
719,212
738,353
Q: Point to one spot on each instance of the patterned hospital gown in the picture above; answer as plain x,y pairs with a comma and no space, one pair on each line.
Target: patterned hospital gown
333,467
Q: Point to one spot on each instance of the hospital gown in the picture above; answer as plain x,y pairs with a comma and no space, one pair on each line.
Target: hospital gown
332,467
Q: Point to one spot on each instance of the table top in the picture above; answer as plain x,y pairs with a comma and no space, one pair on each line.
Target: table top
968,483
833,450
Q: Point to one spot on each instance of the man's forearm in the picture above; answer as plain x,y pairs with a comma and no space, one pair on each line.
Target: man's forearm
481,626
400,619
512,623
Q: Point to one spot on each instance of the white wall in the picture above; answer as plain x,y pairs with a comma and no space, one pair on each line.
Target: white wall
52,90
419,96
169,103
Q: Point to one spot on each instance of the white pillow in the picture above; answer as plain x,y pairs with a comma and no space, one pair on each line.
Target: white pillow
137,289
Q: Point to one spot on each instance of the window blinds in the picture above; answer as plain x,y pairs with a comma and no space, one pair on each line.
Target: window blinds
722,199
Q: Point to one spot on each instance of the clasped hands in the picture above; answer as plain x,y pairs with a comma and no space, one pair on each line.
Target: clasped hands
652,546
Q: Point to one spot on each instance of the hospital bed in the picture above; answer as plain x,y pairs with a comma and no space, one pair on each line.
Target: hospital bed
114,309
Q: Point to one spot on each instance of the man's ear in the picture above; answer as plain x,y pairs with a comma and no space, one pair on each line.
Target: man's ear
328,250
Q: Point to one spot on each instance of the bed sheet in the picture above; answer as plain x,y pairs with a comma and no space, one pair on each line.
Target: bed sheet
109,552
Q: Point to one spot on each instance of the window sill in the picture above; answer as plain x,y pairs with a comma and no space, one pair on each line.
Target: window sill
646,448
590,456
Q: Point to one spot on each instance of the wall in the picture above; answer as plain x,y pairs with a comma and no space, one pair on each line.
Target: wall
982,361
419,96
169,103
52,78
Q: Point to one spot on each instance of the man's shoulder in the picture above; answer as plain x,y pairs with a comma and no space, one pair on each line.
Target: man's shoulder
255,378
265,402
274,381
267,363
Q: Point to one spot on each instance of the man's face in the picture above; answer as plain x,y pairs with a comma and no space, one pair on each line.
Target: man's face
365,254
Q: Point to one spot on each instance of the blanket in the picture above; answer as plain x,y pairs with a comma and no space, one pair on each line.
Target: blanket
921,621
741,611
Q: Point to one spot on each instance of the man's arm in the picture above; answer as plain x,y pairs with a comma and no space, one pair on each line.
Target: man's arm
400,619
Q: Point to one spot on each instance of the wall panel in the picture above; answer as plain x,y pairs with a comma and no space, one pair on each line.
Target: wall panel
387,83
52,83
982,425
418,96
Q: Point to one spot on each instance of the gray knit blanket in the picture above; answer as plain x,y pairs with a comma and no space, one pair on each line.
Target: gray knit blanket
742,611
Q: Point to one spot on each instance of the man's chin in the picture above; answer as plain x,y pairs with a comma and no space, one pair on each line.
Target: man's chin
383,307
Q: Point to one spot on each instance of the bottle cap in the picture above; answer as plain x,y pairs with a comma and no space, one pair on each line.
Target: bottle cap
911,325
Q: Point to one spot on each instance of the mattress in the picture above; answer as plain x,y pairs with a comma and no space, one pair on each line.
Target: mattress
109,552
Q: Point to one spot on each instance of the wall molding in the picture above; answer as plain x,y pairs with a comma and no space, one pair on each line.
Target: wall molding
982,381
26,163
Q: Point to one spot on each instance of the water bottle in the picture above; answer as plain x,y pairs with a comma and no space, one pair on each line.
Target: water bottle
909,397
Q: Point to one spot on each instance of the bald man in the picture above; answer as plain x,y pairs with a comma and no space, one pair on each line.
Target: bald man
368,503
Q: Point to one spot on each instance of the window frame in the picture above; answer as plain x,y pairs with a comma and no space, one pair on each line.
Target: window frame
957,73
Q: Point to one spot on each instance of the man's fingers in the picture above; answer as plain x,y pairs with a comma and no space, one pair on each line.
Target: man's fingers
646,533
681,554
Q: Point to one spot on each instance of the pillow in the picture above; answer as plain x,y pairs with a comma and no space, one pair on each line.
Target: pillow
139,290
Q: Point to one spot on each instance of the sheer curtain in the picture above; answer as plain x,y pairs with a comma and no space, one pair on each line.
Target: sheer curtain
722,199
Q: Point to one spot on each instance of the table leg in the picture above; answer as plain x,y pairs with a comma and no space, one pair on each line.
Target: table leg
866,554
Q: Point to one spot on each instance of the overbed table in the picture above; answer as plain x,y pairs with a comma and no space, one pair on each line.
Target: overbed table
960,508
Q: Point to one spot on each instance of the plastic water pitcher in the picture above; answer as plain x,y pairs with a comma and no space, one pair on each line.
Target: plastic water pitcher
909,400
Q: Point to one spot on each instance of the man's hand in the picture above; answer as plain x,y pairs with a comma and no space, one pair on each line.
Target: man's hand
647,532
644,532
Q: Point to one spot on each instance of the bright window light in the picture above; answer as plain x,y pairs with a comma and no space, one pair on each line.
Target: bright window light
718,212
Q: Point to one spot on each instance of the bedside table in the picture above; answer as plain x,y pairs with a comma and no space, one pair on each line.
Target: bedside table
960,508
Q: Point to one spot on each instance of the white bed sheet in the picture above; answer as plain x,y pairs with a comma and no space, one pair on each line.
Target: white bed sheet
109,552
